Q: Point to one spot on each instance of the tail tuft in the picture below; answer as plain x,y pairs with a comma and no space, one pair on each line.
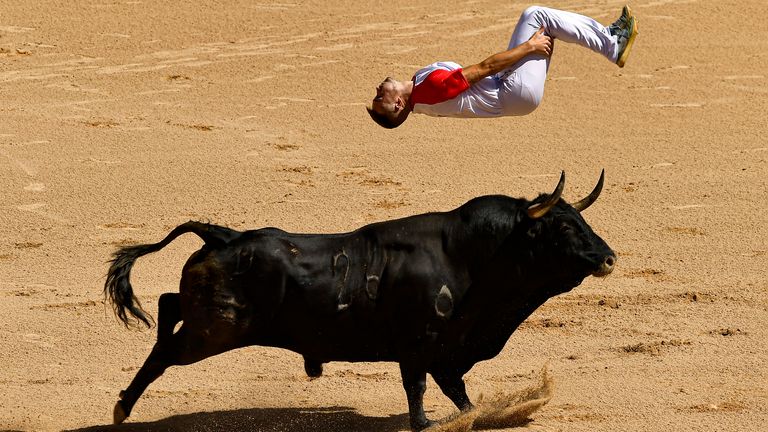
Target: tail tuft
117,288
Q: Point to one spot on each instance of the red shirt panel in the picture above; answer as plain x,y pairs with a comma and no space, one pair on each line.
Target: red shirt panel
439,86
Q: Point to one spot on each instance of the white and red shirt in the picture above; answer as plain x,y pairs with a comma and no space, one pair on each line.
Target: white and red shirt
441,90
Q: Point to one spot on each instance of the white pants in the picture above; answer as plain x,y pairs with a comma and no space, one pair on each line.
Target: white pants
522,84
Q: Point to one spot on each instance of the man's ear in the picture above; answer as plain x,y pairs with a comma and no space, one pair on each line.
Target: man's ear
399,104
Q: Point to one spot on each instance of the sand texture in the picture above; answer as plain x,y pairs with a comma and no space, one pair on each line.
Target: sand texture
121,119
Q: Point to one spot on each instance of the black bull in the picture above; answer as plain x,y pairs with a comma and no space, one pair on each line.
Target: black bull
436,292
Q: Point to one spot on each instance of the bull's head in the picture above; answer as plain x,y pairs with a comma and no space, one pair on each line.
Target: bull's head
562,242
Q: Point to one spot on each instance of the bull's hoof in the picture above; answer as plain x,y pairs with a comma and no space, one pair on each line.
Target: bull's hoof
119,415
418,426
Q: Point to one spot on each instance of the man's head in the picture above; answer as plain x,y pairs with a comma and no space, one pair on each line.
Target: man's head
390,107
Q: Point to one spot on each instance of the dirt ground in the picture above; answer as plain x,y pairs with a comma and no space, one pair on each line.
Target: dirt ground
121,119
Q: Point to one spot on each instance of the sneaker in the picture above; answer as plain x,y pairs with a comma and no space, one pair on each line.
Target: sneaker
625,37
622,22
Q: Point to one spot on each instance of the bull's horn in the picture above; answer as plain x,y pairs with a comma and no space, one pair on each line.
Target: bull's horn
592,197
538,210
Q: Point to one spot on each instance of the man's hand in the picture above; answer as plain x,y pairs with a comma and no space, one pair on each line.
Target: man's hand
540,43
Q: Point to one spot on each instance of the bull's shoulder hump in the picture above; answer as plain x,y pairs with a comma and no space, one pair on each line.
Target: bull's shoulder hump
492,201
424,222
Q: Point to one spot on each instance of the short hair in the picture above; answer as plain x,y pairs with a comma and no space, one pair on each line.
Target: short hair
384,120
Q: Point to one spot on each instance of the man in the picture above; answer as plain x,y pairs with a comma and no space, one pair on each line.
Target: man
509,83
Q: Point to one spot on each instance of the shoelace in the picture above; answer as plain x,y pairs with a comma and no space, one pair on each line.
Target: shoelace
622,34
618,25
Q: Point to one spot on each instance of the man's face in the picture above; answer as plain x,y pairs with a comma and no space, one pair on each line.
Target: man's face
386,97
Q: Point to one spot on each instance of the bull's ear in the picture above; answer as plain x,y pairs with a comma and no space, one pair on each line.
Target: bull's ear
592,197
538,210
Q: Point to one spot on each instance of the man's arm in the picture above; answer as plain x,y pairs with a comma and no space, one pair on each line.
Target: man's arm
539,43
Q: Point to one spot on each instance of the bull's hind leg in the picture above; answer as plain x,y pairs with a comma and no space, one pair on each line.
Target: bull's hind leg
168,315
172,349
180,348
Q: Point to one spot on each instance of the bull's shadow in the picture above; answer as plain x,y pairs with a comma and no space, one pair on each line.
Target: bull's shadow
330,419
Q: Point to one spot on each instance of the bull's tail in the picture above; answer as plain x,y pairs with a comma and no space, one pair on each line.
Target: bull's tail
117,288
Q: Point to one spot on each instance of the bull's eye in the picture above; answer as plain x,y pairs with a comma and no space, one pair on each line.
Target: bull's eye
565,228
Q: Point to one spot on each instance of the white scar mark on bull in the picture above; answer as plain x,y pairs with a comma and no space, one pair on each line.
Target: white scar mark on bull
340,267
444,303
240,267
372,286
376,265
228,306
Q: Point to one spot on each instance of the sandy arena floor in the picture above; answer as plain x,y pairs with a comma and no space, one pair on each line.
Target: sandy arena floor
121,119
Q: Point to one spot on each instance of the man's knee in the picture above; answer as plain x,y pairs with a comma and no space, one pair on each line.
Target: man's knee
535,14
532,11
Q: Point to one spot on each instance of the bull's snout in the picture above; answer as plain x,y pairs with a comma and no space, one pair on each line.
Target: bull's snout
606,267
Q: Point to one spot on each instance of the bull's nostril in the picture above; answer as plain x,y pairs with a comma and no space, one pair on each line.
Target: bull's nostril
610,261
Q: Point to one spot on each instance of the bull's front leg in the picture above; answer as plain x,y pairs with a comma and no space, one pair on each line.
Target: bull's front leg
453,386
415,383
